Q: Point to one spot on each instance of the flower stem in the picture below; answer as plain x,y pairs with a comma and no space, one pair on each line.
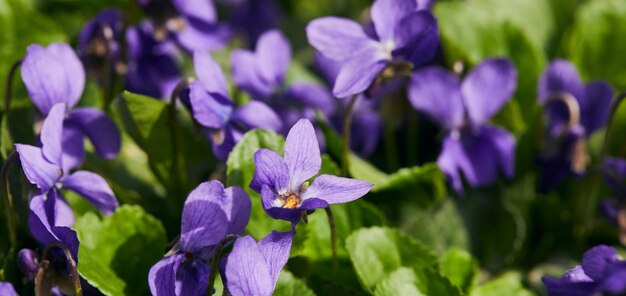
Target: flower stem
9,86
333,235
605,144
347,124
173,123
216,260
78,290
8,201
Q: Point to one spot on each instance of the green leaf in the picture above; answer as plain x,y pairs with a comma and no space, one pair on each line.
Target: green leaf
423,185
117,251
240,170
378,251
288,285
461,268
595,45
400,282
363,170
509,283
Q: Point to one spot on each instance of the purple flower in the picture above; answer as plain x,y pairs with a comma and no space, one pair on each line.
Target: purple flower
252,18
44,167
192,23
54,75
99,41
575,111
253,268
7,289
283,182
28,263
210,213
152,67
401,34
213,109
614,171
601,272
470,145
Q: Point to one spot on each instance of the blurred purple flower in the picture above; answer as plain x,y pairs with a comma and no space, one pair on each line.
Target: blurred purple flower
54,75
28,263
191,23
253,268
574,111
213,109
401,34
601,272
471,145
210,213
152,69
614,208
99,42
7,289
252,18
44,168
282,182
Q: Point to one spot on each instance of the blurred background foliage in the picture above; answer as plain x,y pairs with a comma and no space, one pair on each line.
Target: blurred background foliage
505,237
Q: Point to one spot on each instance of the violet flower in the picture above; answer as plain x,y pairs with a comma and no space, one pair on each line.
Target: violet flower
99,42
470,144
192,23
7,289
54,75
282,182
28,263
252,18
253,268
44,168
575,111
601,272
210,213
152,69
213,109
403,36
614,208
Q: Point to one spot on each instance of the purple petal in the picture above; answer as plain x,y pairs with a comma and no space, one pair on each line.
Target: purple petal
596,260
614,170
27,263
63,213
488,87
210,110
311,95
560,76
437,93
247,271
273,53
52,74
162,276
357,74
387,14
42,221
231,137
417,38
204,222
210,73
615,281
197,9
275,248
576,274
271,171
192,278
559,287
99,128
237,208
93,188
473,154
338,38
199,35
7,289
291,215
302,154
73,146
37,169
256,114
596,105
334,189
245,73
51,134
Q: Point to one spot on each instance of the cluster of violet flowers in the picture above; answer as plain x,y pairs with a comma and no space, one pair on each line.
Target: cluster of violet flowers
360,64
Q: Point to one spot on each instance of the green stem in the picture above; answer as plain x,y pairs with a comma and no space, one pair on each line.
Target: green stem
216,260
173,123
333,235
78,291
8,201
605,144
9,86
347,124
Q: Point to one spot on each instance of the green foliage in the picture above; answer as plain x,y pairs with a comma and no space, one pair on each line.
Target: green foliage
507,284
290,285
117,251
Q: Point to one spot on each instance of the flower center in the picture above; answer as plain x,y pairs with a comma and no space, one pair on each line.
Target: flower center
290,201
